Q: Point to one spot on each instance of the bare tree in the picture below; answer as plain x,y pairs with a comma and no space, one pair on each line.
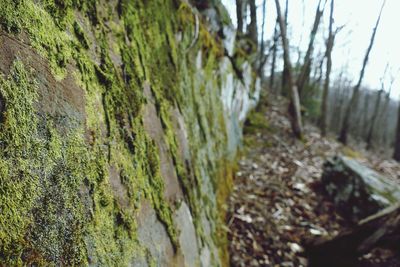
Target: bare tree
295,114
239,15
373,119
318,72
273,64
338,103
396,154
329,47
355,96
263,58
306,67
372,125
253,22
285,70
366,117
286,12
384,117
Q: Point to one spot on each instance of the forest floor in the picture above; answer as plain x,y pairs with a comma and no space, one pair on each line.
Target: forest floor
276,204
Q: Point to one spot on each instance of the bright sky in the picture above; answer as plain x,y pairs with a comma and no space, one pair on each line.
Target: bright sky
359,17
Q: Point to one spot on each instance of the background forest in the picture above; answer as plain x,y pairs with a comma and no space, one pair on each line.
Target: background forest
335,89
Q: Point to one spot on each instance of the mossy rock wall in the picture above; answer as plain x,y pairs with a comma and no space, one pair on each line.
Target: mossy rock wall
119,126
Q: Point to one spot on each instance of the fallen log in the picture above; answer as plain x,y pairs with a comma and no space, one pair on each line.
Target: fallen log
381,229
357,192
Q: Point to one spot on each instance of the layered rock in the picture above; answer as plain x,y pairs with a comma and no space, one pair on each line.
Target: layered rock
357,190
120,121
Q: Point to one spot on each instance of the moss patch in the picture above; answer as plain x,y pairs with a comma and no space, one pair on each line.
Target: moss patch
57,204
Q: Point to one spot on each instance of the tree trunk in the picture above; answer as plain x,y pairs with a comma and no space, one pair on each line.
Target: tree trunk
336,113
329,47
365,121
295,113
355,96
319,72
384,116
285,71
396,155
263,58
306,67
346,92
273,64
384,119
373,120
239,16
253,22
286,12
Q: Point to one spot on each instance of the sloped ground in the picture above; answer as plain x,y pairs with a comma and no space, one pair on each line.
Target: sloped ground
275,205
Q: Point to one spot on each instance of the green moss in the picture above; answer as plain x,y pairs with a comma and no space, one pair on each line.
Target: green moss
48,39
57,200
17,139
40,178
256,122
80,34
349,152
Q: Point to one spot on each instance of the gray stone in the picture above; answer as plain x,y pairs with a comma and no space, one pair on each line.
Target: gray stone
139,261
356,190
187,236
153,236
205,257
155,130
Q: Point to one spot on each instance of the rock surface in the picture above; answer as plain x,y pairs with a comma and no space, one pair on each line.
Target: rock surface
120,123
356,190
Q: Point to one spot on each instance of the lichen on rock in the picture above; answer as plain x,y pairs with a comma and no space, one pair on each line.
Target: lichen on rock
78,161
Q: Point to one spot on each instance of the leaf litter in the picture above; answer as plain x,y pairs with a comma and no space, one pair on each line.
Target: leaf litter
276,204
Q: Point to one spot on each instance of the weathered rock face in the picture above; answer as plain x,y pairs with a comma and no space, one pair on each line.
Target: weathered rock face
356,190
119,124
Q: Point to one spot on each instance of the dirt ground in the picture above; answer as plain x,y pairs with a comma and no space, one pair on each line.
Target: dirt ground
276,204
